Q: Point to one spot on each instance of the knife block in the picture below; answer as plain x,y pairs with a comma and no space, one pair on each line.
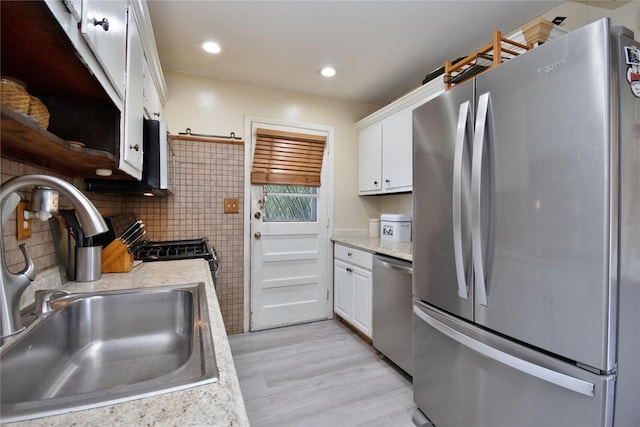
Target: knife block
116,258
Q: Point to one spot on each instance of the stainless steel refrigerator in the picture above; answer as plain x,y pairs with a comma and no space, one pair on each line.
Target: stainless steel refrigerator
527,240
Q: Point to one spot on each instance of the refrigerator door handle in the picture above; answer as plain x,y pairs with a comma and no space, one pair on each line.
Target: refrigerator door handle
482,120
463,132
566,381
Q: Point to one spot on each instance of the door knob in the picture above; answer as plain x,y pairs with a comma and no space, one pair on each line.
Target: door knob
257,235
257,215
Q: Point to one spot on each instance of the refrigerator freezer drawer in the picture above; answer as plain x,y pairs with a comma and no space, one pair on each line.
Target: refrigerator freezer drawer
469,376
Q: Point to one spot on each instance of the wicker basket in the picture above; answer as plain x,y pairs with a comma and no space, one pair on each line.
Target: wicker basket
14,95
39,111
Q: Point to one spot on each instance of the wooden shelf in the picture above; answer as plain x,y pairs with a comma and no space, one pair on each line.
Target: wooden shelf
23,139
493,54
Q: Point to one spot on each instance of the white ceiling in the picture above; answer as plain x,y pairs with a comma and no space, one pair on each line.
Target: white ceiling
381,49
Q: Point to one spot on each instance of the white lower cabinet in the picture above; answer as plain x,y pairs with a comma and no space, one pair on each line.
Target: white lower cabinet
353,284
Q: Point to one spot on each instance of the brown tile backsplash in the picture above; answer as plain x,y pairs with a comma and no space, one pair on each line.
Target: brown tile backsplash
40,243
206,173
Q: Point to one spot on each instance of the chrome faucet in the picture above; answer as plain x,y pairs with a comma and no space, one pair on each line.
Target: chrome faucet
13,285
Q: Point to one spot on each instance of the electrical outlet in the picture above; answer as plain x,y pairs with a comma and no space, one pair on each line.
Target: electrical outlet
23,226
231,206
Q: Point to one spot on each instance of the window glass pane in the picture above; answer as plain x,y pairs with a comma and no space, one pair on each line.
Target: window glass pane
289,203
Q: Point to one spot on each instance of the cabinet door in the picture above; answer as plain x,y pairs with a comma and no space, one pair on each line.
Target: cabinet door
370,159
362,287
342,289
152,104
131,153
104,27
397,150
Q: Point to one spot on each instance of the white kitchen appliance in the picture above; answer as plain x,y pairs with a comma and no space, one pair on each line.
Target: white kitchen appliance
527,240
395,228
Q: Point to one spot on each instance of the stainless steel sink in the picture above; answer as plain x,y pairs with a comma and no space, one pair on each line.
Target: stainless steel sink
105,347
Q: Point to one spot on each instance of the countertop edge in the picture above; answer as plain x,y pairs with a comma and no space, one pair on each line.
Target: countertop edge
402,251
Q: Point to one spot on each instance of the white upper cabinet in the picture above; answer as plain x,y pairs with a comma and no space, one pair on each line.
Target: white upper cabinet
385,144
397,152
104,27
152,104
370,159
385,153
131,150
114,40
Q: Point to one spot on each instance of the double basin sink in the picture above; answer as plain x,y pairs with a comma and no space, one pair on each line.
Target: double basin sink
100,348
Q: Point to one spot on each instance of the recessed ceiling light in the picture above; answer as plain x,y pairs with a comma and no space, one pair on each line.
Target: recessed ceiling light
211,47
327,72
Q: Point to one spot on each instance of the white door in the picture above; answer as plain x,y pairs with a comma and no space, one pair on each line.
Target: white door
289,250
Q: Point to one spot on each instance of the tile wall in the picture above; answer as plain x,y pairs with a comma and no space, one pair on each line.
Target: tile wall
206,172
40,243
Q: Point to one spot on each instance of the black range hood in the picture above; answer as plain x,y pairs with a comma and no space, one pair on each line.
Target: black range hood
154,171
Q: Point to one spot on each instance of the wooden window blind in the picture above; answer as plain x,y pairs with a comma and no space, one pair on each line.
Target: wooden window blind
287,158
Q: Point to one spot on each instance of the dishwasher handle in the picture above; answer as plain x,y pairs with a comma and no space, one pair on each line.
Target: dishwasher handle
402,268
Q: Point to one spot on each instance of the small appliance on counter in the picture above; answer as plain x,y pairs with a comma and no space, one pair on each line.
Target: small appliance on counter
395,228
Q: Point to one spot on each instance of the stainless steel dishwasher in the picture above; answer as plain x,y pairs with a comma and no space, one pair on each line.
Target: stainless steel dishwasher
392,310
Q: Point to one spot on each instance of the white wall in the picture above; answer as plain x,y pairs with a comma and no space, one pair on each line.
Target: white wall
218,107
580,14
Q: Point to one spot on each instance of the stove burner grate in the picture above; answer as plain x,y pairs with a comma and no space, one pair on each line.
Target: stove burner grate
172,250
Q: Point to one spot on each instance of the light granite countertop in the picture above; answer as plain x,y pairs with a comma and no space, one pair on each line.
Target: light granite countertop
215,404
375,244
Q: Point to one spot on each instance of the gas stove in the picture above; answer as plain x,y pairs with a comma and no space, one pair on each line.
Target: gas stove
171,250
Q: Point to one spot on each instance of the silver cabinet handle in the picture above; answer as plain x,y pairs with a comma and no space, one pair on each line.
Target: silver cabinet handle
463,131
565,381
104,23
135,147
408,270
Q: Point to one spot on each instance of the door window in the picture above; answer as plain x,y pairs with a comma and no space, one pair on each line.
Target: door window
290,203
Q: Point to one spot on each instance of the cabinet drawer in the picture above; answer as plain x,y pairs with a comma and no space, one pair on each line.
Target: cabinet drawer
354,256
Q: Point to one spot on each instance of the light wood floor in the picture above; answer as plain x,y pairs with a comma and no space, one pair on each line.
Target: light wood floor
319,374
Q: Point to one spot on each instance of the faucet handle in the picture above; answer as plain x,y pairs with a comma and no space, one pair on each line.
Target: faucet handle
30,269
44,298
